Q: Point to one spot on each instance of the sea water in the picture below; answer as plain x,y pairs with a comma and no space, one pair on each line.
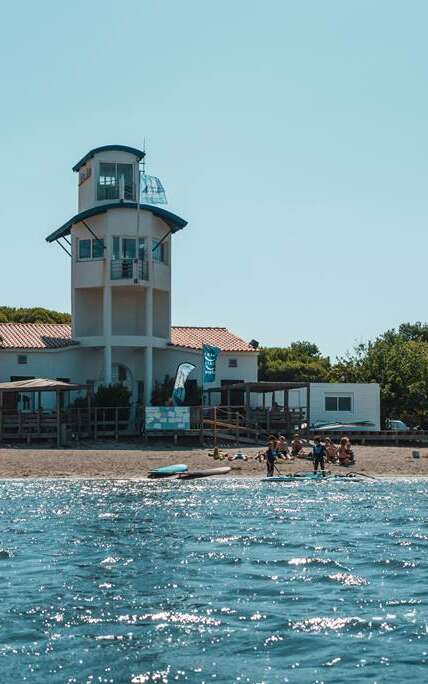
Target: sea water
213,581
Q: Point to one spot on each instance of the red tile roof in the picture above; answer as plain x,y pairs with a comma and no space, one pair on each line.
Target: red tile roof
35,336
57,336
194,338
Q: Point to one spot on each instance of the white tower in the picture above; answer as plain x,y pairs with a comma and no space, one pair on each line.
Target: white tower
121,262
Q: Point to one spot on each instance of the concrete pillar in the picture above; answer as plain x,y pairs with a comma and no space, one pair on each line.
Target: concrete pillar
149,312
148,376
107,325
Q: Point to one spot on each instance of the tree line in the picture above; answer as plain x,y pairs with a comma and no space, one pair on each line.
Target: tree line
36,314
397,360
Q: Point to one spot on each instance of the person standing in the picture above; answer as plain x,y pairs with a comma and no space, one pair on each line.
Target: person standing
270,455
319,454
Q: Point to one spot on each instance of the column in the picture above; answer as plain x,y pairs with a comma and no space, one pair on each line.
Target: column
107,333
148,376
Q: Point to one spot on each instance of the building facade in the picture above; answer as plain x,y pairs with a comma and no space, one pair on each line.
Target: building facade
121,259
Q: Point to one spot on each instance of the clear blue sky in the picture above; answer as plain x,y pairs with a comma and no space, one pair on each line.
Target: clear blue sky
292,136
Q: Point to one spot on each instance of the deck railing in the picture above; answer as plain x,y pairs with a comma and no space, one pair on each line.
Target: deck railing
128,269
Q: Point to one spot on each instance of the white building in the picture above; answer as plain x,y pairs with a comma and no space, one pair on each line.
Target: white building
121,258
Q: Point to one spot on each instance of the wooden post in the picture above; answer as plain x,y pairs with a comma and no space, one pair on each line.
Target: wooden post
215,425
237,428
308,407
78,424
116,424
1,415
247,403
58,419
95,421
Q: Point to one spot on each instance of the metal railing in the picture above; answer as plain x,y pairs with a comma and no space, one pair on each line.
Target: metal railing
129,269
113,191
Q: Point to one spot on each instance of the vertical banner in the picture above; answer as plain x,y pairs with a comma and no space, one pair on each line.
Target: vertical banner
179,391
209,355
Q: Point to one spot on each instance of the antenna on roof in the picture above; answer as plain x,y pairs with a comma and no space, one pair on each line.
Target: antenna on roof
143,164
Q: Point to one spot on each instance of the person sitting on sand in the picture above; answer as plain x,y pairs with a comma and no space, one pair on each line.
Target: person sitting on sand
282,447
345,453
271,454
330,450
297,447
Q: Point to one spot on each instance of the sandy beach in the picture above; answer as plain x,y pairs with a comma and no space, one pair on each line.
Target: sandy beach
134,461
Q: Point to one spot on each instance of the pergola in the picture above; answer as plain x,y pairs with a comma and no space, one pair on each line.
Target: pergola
262,388
40,385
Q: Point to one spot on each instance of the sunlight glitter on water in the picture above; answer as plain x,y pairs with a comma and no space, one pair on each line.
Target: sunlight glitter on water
225,581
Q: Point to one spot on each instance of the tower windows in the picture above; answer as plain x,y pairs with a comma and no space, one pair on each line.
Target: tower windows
115,181
90,249
159,251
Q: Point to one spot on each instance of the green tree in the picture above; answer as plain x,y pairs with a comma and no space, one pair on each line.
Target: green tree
398,361
32,315
300,362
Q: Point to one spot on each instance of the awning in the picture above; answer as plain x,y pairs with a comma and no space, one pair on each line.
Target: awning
174,222
39,385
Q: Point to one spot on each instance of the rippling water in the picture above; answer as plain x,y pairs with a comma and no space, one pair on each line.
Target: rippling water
226,581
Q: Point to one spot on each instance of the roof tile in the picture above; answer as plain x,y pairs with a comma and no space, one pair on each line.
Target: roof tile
58,336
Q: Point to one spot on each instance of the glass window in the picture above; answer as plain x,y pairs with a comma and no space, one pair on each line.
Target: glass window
97,249
338,403
22,359
84,249
159,251
331,403
115,181
116,248
233,363
344,403
141,248
129,248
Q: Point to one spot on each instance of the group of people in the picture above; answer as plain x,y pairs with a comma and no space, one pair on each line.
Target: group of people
323,451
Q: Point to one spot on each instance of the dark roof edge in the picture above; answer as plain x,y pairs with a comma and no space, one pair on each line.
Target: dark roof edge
172,220
105,148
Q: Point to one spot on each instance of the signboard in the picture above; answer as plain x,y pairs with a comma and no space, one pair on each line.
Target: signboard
171,418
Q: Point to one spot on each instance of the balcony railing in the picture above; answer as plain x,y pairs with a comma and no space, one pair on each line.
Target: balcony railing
114,191
129,269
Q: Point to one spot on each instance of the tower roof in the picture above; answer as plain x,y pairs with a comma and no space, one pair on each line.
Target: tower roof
106,148
174,222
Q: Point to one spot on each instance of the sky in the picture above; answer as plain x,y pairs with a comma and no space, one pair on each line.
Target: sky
291,135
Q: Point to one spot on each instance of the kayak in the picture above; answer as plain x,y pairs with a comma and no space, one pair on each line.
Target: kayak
168,471
192,474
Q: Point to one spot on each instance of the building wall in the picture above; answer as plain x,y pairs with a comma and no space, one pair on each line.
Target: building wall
365,402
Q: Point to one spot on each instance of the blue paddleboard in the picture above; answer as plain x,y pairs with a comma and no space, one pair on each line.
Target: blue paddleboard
167,471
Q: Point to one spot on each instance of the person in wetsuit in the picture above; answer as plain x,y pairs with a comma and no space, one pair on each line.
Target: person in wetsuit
319,454
270,455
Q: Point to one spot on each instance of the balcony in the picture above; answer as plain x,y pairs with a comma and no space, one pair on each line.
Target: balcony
116,191
129,269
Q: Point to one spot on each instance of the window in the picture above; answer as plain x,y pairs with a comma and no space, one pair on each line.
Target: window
91,249
22,359
342,403
115,181
233,363
126,248
159,251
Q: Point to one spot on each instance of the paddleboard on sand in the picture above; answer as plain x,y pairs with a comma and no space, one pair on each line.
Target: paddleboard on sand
167,471
192,474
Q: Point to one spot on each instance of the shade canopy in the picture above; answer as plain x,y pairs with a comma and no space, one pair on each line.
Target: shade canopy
173,221
258,387
39,385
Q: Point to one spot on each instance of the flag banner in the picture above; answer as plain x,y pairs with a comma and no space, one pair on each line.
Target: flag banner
179,391
209,354
151,190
